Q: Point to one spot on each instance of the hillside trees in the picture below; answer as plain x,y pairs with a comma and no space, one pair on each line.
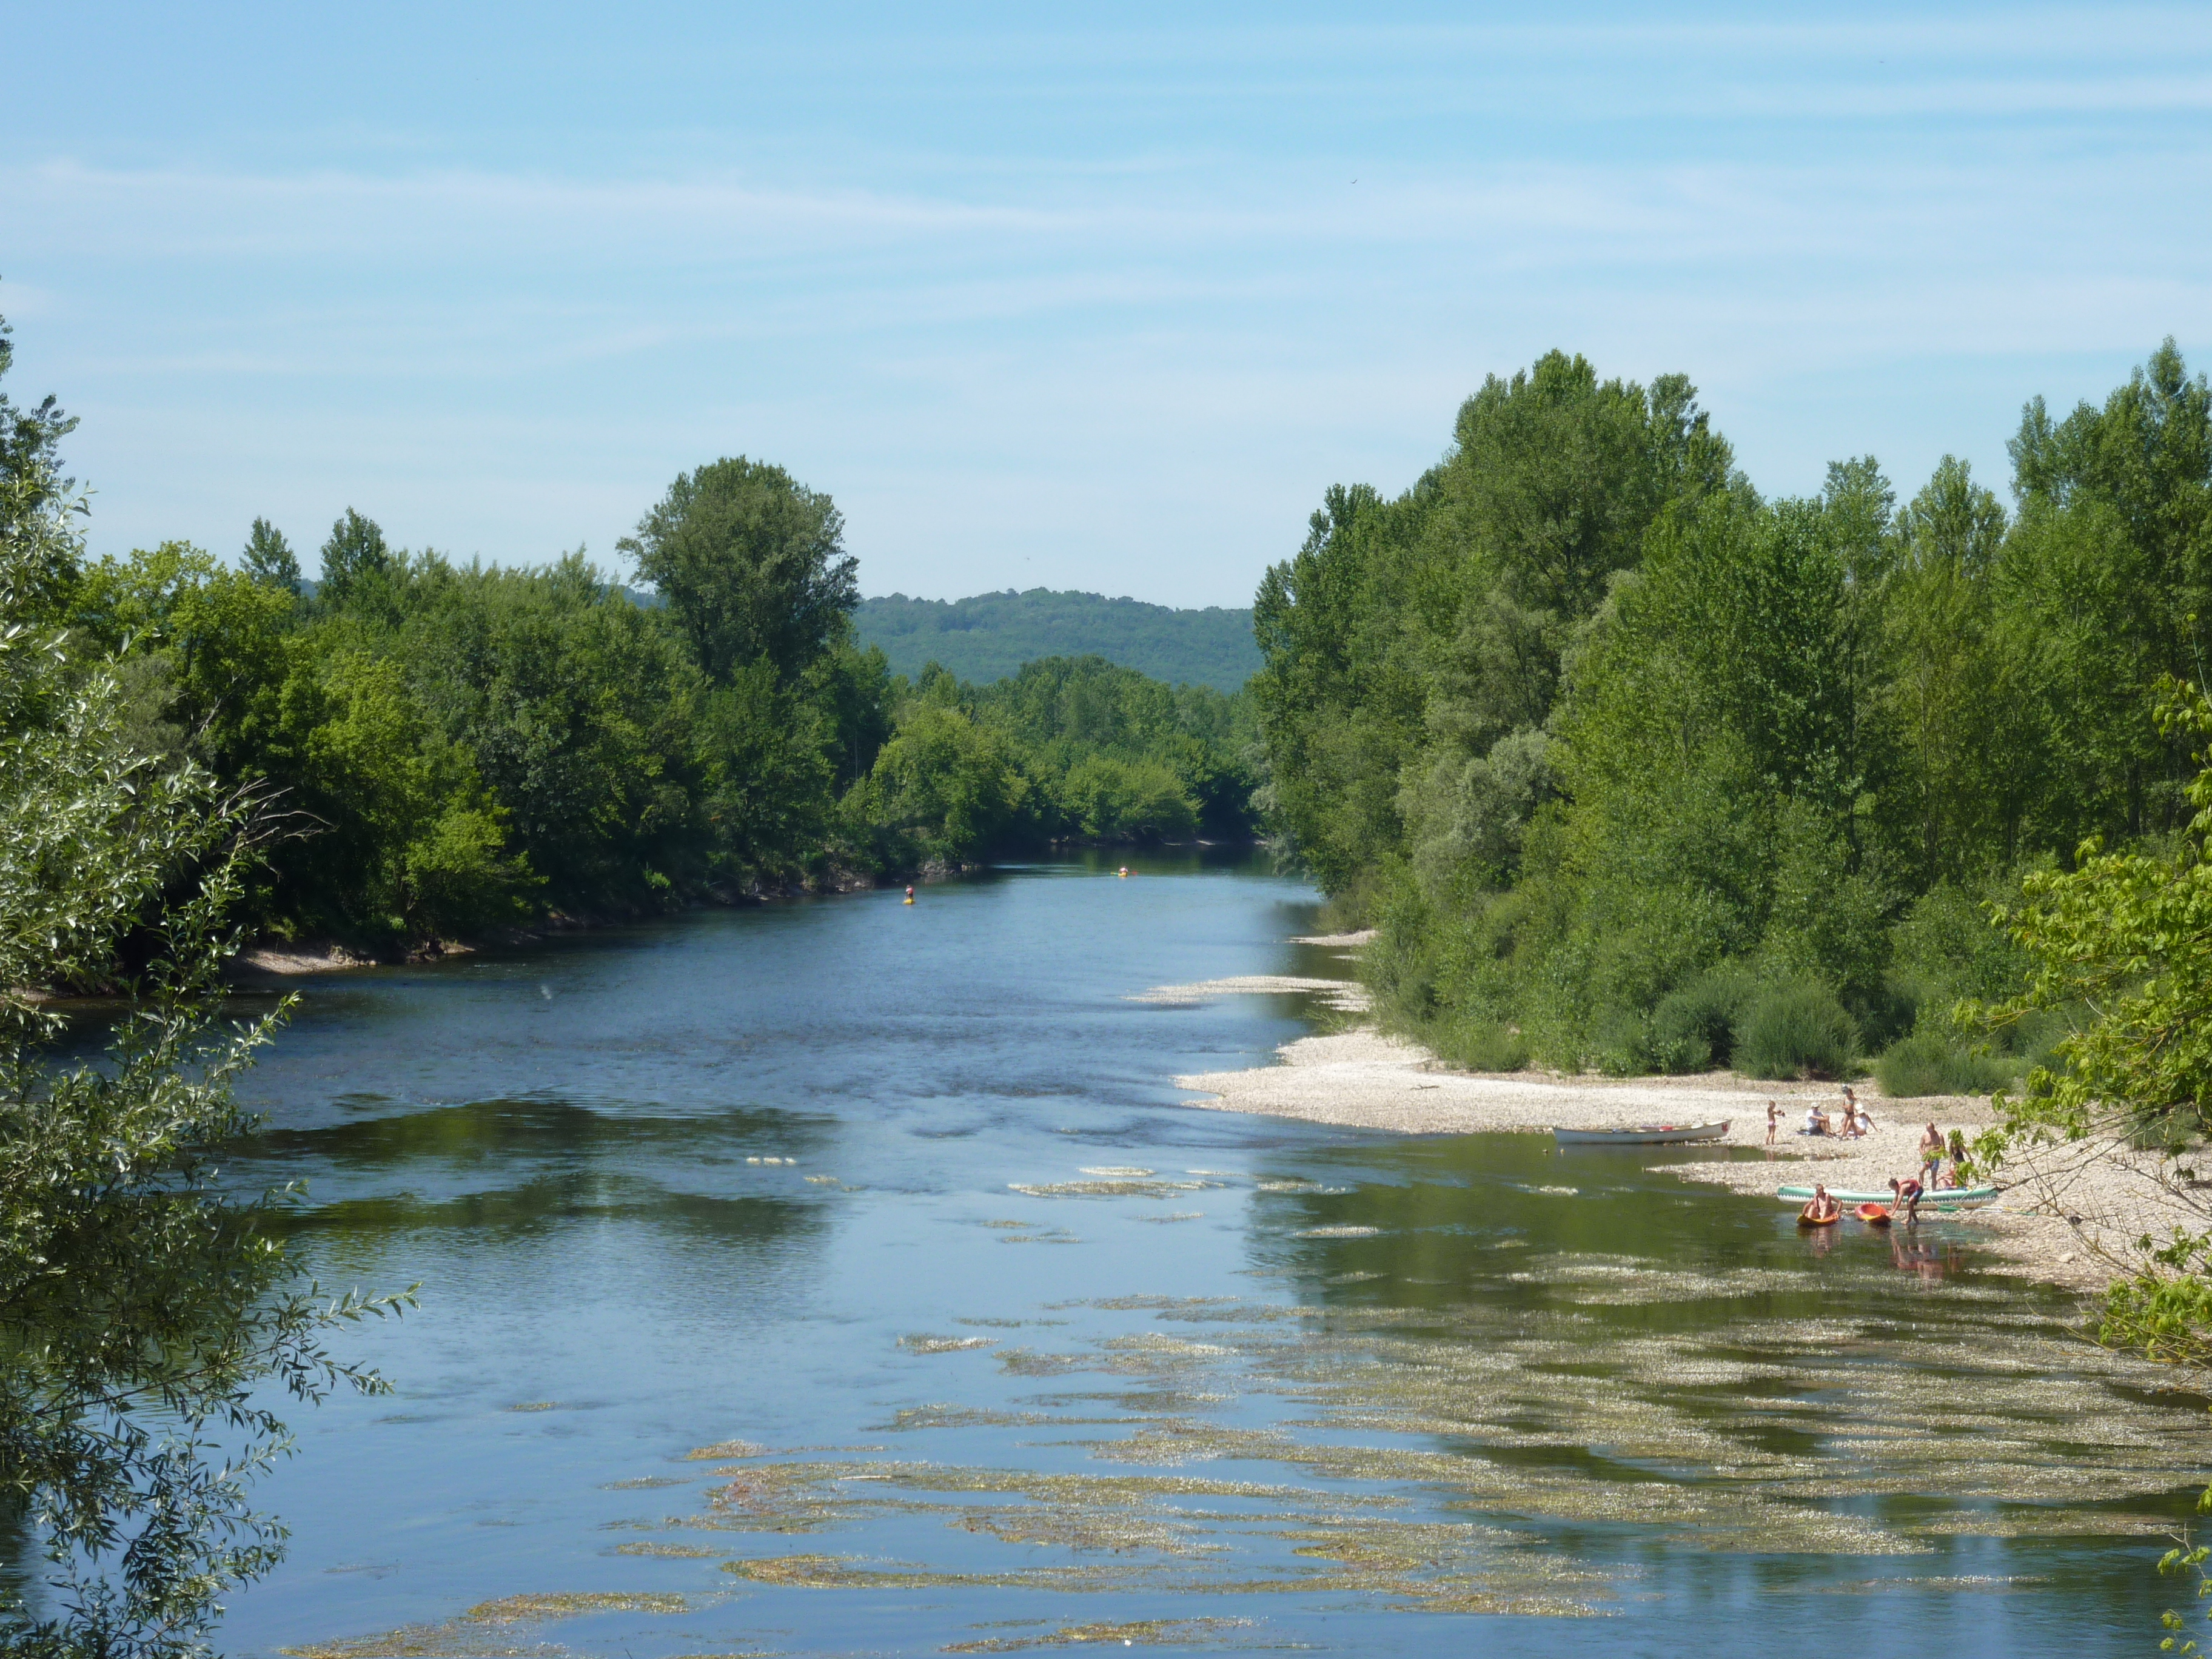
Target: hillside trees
989,636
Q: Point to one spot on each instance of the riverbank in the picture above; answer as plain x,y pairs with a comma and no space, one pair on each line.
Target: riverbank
2068,1215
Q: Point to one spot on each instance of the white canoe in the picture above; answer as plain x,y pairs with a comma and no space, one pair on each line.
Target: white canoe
1641,1135
1948,1197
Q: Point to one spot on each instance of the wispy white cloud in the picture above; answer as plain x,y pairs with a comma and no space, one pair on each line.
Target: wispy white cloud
1110,300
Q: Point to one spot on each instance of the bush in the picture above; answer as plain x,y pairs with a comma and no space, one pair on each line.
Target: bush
1694,1026
1618,1042
1479,1045
1797,1031
1929,1063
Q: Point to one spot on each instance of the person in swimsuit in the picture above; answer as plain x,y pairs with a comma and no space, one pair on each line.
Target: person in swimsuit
1773,1119
1932,1153
1905,1196
1821,1207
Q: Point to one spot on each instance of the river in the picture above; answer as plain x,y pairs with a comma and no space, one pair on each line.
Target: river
839,1276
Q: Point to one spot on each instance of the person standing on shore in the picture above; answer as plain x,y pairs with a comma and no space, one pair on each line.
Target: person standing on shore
1773,1119
1931,1153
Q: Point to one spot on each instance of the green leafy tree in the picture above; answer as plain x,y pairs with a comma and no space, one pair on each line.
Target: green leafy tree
143,1311
268,557
951,784
752,564
2111,565
39,508
354,557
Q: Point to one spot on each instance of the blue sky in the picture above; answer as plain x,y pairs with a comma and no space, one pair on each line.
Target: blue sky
1079,297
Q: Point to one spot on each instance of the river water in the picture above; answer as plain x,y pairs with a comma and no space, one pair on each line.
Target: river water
843,1277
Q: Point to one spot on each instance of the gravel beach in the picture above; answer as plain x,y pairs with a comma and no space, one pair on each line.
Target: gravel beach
2067,1215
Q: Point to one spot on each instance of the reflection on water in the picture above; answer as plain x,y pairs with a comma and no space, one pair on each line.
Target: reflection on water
726,1346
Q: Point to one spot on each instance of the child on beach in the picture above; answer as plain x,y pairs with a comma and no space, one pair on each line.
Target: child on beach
1773,1118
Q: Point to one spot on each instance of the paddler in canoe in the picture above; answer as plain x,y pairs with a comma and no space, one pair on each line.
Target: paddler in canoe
1821,1209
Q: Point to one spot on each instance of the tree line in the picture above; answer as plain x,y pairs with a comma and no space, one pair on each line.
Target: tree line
988,637
453,747
1637,768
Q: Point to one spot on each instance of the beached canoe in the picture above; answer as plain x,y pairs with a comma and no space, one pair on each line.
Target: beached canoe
1954,1198
1641,1135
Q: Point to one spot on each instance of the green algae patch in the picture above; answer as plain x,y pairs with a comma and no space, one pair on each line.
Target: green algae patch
922,1342
673,1551
538,1609
537,1406
1430,1457
479,1632
1110,1188
722,1451
1141,1632
914,1418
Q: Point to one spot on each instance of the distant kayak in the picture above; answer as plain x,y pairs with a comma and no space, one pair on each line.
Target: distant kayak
1955,1198
1642,1134
1805,1220
1875,1215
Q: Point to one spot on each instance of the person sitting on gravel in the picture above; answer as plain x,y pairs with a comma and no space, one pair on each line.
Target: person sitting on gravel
1865,1117
1816,1120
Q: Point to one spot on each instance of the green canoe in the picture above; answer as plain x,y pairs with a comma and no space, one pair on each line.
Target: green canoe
1955,1198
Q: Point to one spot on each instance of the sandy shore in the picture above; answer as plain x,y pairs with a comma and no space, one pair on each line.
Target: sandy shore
2067,1215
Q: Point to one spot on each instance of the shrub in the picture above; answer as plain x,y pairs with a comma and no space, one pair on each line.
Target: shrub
1618,1040
1929,1063
1479,1045
1797,1031
1694,1024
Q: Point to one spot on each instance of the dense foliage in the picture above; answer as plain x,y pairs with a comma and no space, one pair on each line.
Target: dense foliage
1637,768
143,1312
990,636
450,748
1067,750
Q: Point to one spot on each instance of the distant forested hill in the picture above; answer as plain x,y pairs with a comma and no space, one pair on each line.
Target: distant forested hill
991,635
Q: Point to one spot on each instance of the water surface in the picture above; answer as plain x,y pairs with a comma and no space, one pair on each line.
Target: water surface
844,1277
